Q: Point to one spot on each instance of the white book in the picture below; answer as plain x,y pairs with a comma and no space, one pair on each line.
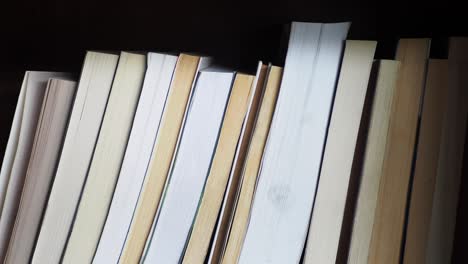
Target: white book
137,156
107,159
50,131
83,128
190,167
287,181
17,156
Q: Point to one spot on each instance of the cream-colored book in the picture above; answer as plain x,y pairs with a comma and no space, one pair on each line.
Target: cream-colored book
427,156
107,158
387,233
373,160
16,162
445,201
327,215
82,132
249,176
181,87
50,132
215,186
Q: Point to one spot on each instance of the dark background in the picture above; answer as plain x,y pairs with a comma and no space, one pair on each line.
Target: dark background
54,35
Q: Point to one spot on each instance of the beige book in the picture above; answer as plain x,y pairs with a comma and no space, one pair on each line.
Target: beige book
184,75
445,201
82,132
50,132
107,158
427,156
226,214
220,169
327,215
387,232
251,169
373,160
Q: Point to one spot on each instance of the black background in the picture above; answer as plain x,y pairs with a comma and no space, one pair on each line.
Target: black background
54,35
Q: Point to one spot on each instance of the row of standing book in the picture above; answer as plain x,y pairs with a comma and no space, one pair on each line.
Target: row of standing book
155,158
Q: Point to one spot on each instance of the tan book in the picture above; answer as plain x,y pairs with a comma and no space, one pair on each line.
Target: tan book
250,172
230,196
220,169
82,132
50,132
427,156
445,201
184,75
327,215
373,160
107,158
391,202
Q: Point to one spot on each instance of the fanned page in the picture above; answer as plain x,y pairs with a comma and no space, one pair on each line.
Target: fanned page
163,151
449,172
373,161
191,165
105,165
35,84
235,237
425,167
329,206
230,195
45,153
137,156
83,128
218,177
283,201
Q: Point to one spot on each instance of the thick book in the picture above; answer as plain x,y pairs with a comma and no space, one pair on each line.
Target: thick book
82,132
212,197
107,159
389,222
191,165
137,156
283,201
230,195
20,144
327,217
427,157
231,244
50,132
446,193
372,161
164,148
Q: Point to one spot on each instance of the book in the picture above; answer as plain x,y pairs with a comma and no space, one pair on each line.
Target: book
50,131
107,159
192,162
20,143
218,176
329,206
389,221
449,171
137,156
249,175
425,167
230,195
284,197
372,161
164,148
81,136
